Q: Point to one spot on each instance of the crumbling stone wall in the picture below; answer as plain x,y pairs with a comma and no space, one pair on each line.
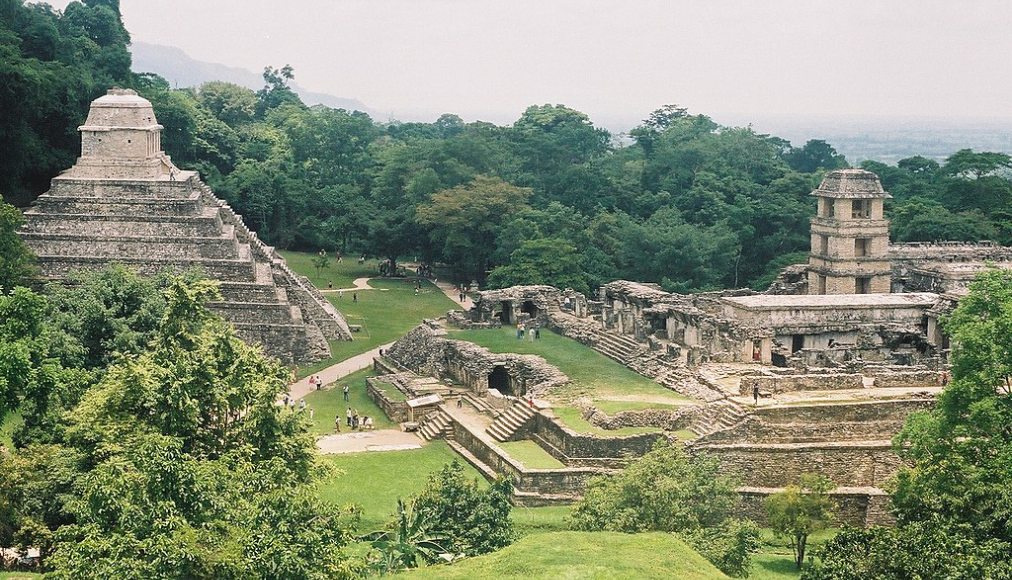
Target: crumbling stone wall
428,351
508,304
578,449
850,463
774,384
854,507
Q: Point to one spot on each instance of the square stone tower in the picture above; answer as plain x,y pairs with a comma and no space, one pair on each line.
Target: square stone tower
850,236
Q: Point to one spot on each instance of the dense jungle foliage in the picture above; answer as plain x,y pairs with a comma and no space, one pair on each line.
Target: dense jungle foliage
552,198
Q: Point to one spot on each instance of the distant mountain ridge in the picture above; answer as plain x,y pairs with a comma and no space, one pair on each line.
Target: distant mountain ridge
182,70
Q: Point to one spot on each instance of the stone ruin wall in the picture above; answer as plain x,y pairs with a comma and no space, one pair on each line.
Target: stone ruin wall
848,463
577,449
854,507
427,350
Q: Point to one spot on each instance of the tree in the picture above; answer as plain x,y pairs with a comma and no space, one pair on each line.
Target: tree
412,541
814,155
549,261
320,262
179,462
665,490
801,510
473,520
17,263
919,550
465,221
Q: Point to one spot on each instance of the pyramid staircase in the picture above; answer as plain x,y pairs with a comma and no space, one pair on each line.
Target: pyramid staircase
510,421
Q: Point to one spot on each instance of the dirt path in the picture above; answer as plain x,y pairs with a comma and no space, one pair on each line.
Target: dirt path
358,441
335,372
357,284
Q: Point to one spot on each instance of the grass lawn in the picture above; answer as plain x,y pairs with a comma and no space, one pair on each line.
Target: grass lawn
535,520
11,421
342,275
374,480
384,316
19,576
391,392
572,417
329,403
612,407
592,555
593,374
775,561
531,454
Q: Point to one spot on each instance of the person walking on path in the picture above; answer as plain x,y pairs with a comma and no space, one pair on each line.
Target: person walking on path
460,401
346,391
755,393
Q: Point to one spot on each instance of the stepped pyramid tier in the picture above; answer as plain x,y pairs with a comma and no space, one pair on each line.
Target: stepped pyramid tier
125,202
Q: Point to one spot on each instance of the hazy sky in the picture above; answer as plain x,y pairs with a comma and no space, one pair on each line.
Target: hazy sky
614,60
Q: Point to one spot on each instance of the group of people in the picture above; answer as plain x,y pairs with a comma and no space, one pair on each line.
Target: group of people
316,382
533,332
300,405
355,421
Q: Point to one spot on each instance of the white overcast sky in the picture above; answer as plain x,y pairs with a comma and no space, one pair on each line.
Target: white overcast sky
613,59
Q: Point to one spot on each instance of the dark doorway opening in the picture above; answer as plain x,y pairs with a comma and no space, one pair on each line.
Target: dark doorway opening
505,316
797,342
500,380
529,308
779,360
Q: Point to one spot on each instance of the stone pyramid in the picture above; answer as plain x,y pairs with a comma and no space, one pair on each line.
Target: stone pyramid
125,202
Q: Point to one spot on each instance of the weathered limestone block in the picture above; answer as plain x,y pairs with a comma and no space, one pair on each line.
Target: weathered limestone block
850,463
788,383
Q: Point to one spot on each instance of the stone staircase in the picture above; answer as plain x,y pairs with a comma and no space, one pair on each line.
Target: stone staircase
718,416
618,347
436,425
506,425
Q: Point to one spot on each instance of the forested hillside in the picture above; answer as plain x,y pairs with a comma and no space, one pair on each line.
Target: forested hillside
549,199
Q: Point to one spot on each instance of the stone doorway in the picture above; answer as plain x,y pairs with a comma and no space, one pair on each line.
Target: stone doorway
797,342
529,308
506,314
499,379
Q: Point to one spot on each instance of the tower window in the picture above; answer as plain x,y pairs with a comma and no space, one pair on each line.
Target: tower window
862,209
862,285
824,245
862,247
830,208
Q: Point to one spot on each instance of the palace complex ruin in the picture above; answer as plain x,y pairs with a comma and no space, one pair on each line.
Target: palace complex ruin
817,374
125,202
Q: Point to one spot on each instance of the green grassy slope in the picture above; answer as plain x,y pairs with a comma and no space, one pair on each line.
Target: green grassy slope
590,555
374,480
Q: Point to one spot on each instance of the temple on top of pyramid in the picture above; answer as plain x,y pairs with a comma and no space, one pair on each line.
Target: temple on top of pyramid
125,202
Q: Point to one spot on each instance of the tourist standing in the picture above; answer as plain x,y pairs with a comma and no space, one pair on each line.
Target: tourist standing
346,391
348,413
337,423
755,392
